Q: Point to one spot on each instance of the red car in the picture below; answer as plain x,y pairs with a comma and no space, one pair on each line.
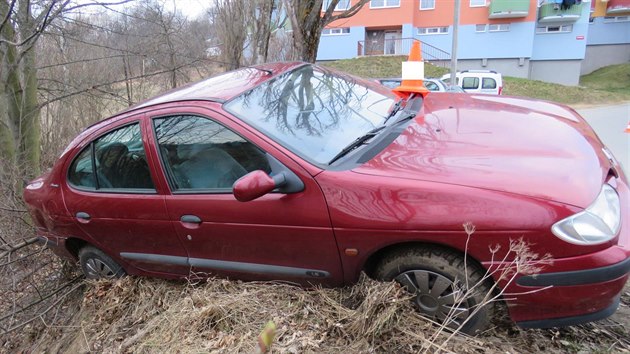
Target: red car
295,172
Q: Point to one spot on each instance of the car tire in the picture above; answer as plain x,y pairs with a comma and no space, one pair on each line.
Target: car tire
97,265
438,278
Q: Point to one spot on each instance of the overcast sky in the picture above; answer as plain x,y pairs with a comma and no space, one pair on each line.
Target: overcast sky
190,8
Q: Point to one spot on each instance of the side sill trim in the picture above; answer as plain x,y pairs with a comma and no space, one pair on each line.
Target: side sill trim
226,265
577,277
572,321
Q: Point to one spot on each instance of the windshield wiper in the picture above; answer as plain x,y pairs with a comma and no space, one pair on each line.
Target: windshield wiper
357,142
397,106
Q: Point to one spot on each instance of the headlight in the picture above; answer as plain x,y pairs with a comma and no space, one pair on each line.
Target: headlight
599,223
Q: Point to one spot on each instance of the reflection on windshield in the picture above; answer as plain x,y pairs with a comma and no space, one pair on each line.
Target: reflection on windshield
312,112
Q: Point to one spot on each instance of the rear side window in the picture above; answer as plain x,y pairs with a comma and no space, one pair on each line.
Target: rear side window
116,160
470,83
81,171
488,83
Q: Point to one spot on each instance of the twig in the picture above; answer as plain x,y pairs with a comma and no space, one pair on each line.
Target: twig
42,299
53,305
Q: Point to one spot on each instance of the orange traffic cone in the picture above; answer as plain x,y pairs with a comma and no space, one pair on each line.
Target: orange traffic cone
413,73
628,128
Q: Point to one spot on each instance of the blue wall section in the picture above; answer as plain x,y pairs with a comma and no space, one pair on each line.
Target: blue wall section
440,41
343,46
608,33
515,43
408,30
563,46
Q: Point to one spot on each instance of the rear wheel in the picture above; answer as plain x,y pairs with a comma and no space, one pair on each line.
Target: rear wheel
445,290
97,265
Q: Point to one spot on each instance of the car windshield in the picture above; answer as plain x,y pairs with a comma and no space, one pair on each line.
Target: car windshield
313,112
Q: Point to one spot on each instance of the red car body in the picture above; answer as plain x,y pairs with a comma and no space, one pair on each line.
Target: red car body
512,166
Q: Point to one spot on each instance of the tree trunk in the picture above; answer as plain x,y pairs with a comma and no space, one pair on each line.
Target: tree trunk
25,94
28,159
19,115
308,21
8,79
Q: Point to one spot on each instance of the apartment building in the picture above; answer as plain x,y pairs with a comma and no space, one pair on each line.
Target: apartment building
550,40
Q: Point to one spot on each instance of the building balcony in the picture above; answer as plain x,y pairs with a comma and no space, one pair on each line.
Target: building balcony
618,7
508,9
552,13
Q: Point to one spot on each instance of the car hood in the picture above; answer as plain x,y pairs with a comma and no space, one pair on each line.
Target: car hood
521,146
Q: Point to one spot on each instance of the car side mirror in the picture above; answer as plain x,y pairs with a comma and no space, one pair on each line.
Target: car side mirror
256,184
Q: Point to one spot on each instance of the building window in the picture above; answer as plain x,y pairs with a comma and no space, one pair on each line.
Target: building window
432,30
503,27
612,19
477,3
379,4
342,5
555,29
427,4
335,31
480,28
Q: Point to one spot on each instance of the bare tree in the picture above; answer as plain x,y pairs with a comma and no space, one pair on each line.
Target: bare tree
308,21
229,18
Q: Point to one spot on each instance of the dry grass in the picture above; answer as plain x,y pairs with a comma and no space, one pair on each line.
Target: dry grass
143,315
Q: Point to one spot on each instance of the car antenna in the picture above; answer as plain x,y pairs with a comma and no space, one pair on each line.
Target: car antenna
269,72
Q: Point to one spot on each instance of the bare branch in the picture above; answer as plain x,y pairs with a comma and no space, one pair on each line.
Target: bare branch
350,12
8,15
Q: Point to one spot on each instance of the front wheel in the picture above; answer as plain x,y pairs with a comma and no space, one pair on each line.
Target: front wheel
445,290
98,265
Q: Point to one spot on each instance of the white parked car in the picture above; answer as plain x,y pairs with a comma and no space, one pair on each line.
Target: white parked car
478,81
435,85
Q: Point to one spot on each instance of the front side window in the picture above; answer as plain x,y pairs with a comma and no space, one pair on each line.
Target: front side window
200,154
470,83
116,160
313,112
477,3
431,86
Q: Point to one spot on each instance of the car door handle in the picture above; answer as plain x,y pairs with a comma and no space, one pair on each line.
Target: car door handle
83,215
193,219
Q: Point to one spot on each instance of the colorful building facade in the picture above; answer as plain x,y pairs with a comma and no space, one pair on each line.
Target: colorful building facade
549,40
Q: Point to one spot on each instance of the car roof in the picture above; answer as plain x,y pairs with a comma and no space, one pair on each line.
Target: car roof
222,87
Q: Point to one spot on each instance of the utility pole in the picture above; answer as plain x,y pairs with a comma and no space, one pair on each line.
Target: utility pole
454,48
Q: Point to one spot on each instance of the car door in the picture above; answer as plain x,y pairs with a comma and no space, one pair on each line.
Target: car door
277,236
111,193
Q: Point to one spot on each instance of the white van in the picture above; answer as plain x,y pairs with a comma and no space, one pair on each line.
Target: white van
478,81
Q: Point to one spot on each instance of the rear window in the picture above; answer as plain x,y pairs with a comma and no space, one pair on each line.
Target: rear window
488,83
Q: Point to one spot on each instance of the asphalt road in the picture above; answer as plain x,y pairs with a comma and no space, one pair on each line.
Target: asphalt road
609,123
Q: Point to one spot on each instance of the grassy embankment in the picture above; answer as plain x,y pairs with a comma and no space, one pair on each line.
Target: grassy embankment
607,85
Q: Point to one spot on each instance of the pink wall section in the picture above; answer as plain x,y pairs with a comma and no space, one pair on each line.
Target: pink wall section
442,15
